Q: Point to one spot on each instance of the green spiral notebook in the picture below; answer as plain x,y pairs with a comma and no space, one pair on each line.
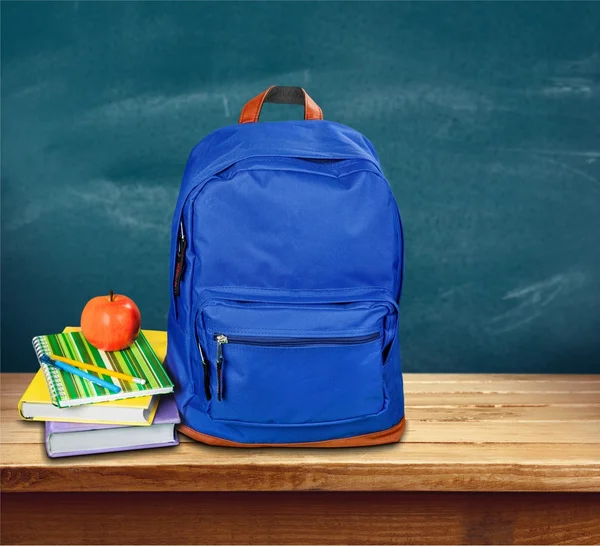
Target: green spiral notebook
68,390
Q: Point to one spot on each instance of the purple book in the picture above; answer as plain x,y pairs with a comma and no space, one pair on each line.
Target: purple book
69,439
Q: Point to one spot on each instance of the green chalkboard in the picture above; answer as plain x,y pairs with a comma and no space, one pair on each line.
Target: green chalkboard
485,116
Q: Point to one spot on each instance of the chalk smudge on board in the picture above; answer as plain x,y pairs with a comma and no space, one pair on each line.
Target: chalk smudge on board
148,105
136,207
533,298
578,172
563,87
226,107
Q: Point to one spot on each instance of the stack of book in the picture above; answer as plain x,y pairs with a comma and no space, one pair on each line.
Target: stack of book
111,401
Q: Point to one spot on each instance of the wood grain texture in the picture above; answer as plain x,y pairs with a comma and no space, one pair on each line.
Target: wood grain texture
301,518
485,460
192,467
470,435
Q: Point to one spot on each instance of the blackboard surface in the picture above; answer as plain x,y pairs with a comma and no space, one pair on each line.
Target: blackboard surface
485,116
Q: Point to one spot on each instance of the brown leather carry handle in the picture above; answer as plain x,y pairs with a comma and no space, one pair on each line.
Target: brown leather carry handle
279,94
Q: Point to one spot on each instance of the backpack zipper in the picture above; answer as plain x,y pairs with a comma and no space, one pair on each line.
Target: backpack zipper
179,260
223,339
205,369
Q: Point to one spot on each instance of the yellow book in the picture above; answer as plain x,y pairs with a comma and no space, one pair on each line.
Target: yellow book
36,405
36,402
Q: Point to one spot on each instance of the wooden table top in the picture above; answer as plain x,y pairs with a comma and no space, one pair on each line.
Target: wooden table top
464,433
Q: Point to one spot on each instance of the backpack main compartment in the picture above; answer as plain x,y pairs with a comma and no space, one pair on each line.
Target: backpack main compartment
286,274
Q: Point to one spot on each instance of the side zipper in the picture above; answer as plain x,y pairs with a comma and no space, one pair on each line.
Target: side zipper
205,369
222,339
179,260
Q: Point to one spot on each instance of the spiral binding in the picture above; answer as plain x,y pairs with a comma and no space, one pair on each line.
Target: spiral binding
51,374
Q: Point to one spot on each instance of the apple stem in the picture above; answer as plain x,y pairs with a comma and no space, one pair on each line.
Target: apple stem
111,296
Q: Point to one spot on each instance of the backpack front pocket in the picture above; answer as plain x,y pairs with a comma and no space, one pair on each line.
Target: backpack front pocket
293,363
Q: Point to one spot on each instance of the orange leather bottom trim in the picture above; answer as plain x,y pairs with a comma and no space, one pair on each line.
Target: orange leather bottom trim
387,436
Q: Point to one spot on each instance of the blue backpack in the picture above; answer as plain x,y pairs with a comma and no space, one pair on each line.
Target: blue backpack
286,273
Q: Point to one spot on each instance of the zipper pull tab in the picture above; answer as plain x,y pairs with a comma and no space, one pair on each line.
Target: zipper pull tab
221,340
179,260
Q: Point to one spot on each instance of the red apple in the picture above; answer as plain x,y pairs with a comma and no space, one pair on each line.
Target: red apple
111,323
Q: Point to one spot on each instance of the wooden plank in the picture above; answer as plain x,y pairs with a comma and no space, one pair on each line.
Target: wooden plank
398,456
419,431
528,432
15,429
413,399
410,378
513,414
557,385
26,432
416,467
308,518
